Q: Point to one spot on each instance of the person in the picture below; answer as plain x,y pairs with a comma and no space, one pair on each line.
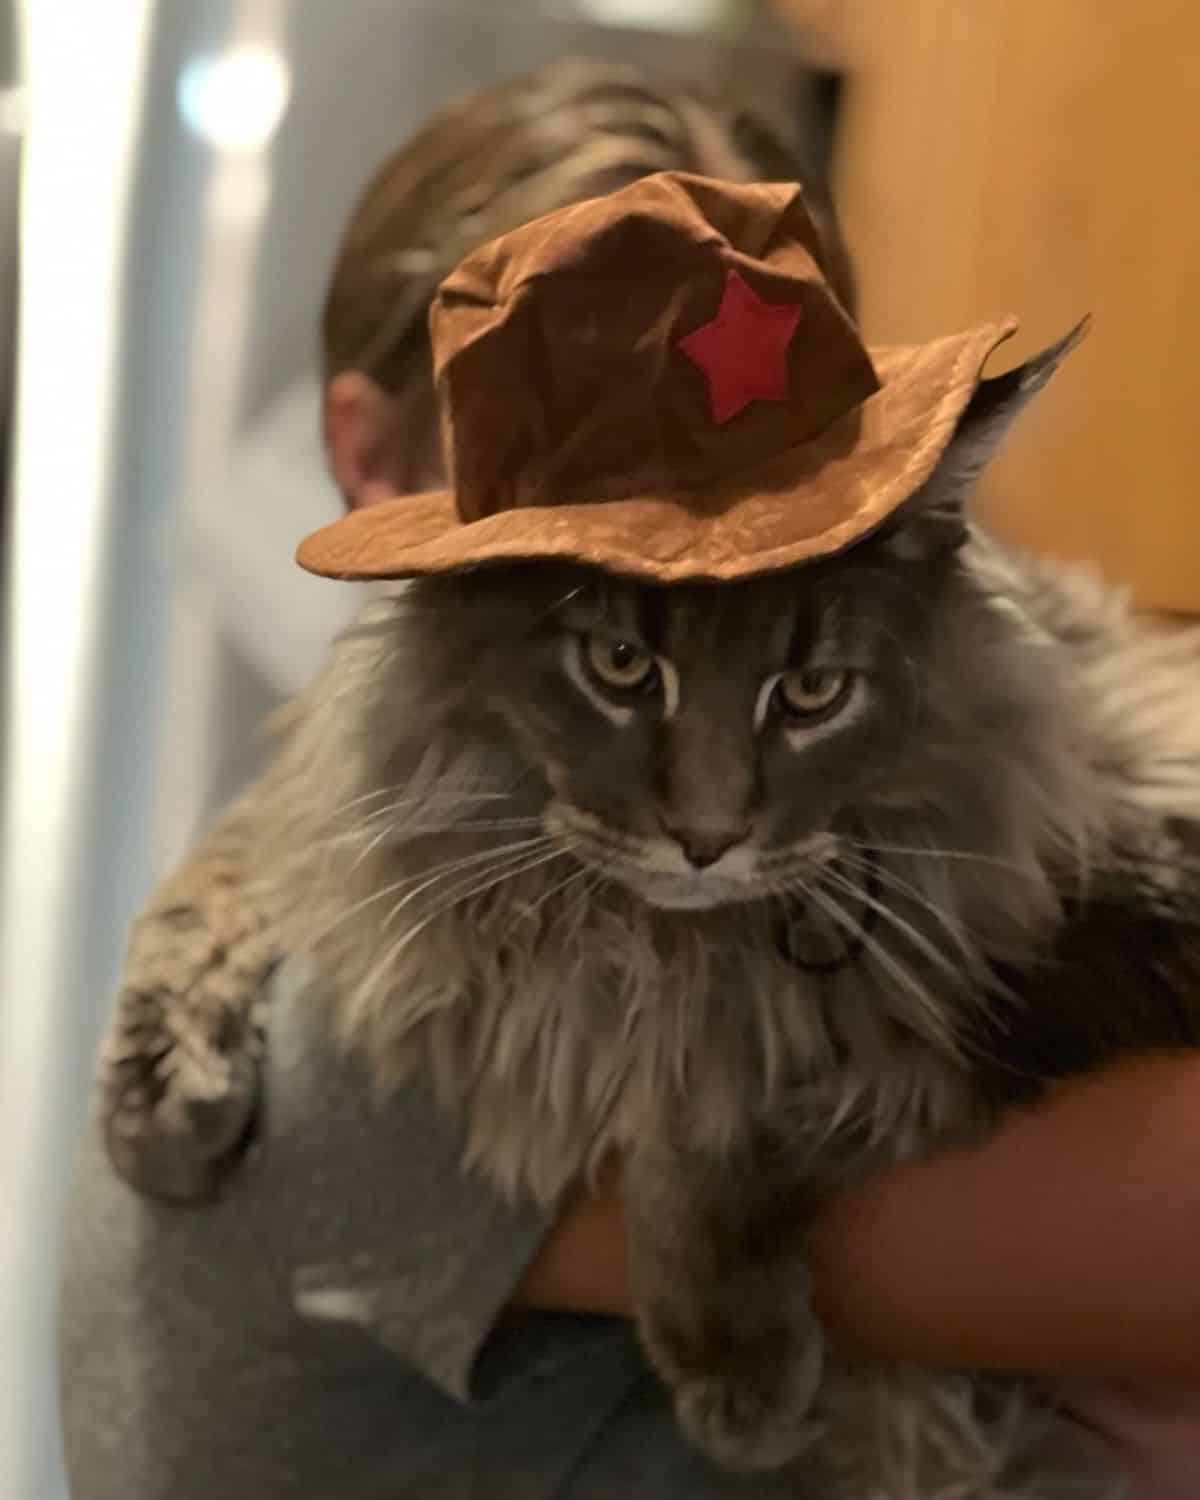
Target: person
296,1387
285,1341
1063,1248
486,164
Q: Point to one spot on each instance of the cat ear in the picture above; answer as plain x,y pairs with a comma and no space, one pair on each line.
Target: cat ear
934,518
994,407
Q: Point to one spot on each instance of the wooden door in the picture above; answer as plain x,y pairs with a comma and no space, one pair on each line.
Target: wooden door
1043,157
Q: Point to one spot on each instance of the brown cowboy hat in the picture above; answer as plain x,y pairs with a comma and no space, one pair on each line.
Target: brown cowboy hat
660,383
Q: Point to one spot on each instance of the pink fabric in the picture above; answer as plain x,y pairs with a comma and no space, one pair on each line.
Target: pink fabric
1157,1434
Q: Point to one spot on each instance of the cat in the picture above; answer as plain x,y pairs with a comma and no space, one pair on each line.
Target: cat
738,880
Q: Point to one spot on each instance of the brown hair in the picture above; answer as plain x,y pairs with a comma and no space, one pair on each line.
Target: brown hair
495,159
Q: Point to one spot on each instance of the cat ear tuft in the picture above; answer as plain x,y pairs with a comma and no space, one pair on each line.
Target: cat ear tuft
933,519
994,407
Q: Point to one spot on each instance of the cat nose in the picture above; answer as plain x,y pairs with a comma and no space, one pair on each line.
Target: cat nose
704,846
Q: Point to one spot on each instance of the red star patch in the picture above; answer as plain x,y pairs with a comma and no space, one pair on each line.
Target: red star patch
743,351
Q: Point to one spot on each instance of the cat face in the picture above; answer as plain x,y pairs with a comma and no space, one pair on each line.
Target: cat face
710,744
700,744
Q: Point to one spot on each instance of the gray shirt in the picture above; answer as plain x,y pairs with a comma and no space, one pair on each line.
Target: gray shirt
333,1326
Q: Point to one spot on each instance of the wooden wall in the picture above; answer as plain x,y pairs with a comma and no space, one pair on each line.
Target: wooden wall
1043,157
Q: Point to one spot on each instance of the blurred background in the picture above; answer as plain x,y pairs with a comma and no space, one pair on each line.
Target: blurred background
173,180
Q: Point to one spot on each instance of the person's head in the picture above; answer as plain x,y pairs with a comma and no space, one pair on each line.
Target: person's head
482,166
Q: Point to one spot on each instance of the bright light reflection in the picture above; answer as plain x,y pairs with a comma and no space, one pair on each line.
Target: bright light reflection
236,100
665,15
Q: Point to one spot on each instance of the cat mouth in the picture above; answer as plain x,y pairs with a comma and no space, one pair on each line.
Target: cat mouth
653,870
693,892
659,874
684,890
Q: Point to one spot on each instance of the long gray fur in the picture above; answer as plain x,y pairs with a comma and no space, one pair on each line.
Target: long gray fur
466,840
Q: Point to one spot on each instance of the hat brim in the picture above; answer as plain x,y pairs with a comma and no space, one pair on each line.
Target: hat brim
807,502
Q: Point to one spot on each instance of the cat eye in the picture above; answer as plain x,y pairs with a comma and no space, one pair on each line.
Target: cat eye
812,692
620,664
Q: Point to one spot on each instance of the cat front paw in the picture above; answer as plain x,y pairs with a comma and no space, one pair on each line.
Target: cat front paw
753,1421
177,1105
744,1373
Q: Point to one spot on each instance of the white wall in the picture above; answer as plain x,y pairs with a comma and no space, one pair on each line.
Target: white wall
84,70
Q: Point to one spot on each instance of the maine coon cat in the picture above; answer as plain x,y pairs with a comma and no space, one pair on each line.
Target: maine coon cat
736,880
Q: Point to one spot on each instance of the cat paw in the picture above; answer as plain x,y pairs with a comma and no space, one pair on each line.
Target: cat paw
176,1112
744,1360
753,1424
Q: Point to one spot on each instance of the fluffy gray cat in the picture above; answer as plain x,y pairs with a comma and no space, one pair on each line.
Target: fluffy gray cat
737,880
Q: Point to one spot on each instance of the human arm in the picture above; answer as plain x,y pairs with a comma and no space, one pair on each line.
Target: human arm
1067,1243
583,1264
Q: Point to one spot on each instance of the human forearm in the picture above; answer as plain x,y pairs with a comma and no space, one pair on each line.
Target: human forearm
1067,1243
583,1264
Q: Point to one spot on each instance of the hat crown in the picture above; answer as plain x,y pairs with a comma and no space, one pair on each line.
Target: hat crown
656,340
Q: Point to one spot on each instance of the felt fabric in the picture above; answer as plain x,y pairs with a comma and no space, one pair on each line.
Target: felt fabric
743,351
661,383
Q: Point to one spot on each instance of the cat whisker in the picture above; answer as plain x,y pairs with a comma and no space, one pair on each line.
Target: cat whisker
904,928
330,928
450,807
933,852
905,888
576,874
502,867
560,603
899,972
407,834
472,889
342,808
450,867
408,818
369,849
450,795
791,866
473,869
484,857
476,825
337,813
